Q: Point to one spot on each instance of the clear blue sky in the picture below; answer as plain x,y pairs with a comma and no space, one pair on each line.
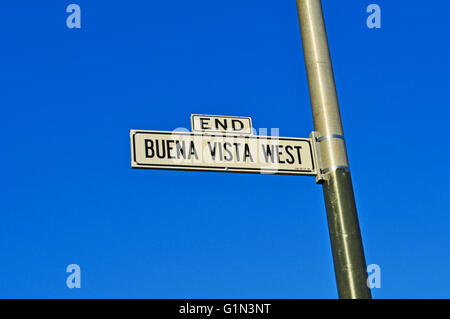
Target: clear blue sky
68,195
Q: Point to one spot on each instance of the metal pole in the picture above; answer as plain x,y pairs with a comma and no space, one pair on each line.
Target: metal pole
346,243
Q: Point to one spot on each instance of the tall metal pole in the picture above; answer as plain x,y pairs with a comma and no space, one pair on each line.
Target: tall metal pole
346,243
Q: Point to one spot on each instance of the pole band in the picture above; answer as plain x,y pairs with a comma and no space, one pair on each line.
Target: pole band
325,137
332,168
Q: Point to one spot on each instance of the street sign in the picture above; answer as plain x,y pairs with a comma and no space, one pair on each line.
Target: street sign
221,124
222,153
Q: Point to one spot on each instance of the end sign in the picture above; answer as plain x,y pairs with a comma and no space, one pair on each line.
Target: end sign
221,124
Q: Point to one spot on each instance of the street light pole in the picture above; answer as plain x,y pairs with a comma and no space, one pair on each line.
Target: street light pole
343,224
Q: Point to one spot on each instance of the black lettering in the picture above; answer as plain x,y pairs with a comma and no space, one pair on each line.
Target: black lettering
298,148
149,148
192,151
279,153
212,150
203,121
180,147
169,148
237,150
224,124
233,123
220,152
163,149
268,151
225,147
288,151
247,153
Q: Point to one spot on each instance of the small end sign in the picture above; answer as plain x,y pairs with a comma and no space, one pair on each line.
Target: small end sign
221,124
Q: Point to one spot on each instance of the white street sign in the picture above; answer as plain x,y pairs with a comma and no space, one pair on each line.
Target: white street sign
221,153
221,124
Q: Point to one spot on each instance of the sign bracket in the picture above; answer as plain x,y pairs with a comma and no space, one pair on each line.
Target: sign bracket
320,177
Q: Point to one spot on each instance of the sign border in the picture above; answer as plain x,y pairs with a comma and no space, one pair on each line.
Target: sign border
202,168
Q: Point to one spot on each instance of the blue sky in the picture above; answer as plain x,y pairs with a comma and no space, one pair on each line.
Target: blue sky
69,97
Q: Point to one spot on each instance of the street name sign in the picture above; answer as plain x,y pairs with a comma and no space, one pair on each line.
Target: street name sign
220,152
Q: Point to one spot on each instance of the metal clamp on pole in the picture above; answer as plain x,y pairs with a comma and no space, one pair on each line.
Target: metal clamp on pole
321,170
